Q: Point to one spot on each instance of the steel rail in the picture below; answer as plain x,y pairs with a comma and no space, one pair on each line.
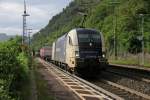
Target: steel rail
131,75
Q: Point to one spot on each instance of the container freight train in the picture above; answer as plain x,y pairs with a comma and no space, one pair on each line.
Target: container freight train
81,51
45,53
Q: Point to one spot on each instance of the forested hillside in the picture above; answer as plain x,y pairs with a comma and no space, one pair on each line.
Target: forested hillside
107,16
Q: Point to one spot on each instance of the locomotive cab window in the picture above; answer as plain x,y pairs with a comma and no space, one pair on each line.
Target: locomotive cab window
70,41
95,37
83,38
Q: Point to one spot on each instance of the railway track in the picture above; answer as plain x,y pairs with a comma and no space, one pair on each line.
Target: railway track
82,88
136,74
96,90
130,85
138,80
121,91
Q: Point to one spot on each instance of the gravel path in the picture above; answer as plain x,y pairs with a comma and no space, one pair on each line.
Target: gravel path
55,87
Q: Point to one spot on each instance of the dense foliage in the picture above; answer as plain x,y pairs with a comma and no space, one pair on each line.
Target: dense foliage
13,69
102,15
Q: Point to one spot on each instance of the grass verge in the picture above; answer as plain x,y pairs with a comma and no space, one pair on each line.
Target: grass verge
130,62
26,90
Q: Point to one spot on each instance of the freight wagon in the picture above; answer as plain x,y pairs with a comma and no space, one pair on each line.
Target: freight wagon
45,53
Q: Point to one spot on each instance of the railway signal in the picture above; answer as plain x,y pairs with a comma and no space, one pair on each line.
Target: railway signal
142,32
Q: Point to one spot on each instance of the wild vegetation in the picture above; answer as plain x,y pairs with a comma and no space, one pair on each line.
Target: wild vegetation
123,16
14,69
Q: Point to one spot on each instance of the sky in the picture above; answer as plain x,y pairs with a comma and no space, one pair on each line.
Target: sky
40,11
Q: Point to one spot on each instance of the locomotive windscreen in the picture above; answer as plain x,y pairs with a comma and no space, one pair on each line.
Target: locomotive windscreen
89,43
89,37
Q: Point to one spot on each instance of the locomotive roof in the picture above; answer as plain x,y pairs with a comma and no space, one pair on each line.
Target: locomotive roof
77,30
90,29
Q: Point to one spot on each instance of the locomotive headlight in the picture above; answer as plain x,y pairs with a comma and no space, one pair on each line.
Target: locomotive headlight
77,53
103,55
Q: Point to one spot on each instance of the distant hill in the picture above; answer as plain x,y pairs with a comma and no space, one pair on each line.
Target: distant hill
4,37
102,15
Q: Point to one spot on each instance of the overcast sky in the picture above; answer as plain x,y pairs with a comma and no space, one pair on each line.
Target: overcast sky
41,11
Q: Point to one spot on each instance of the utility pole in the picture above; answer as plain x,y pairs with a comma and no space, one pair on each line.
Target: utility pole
24,23
142,33
115,27
29,37
149,43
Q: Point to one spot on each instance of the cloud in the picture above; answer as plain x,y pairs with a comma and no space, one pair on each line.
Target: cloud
10,13
40,12
11,7
13,30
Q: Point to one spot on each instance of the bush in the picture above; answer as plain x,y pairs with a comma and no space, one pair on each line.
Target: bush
3,92
24,63
13,69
